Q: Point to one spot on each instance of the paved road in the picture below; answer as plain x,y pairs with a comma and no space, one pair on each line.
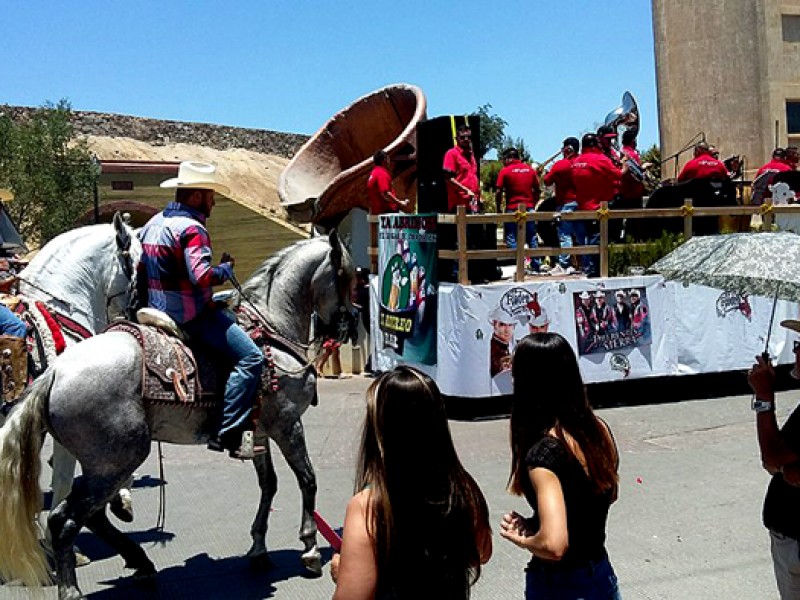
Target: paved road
687,525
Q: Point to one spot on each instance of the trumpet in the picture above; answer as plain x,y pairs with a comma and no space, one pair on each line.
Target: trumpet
540,168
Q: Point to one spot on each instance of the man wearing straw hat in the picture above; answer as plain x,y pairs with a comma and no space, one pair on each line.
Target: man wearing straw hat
780,456
177,271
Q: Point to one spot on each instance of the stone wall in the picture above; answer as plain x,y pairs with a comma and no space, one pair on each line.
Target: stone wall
158,132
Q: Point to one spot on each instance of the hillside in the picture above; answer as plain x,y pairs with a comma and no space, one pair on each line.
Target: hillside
252,176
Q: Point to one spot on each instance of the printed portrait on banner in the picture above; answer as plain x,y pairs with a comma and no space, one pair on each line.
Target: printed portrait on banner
608,320
407,285
517,314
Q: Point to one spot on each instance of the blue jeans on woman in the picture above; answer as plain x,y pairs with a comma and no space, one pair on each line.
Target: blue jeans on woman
597,581
216,330
510,231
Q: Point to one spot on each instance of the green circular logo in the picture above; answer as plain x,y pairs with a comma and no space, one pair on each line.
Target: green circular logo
396,284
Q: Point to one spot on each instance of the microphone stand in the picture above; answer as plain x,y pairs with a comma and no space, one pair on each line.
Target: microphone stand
691,144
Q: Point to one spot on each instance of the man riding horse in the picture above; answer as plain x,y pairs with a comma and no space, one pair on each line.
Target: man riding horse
176,277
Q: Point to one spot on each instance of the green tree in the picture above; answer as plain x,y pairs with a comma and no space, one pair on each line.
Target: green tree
51,172
653,173
492,131
519,144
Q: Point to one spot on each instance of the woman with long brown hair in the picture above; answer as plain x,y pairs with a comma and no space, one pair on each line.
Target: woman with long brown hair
418,524
564,462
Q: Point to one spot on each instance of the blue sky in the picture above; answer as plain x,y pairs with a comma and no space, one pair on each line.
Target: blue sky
549,68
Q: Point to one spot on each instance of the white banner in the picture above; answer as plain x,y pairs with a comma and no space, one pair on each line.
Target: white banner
620,328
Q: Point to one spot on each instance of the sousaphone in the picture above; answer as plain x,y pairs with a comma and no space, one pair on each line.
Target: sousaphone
626,118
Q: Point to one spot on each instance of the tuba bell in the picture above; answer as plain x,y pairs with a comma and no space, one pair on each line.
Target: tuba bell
626,117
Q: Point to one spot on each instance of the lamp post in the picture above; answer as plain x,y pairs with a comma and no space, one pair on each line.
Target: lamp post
97,169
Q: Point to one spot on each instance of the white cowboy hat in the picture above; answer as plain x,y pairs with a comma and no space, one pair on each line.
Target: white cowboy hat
792,324
620,293
6,195
599,294
498,314
634,292
539,320
584,295
197,175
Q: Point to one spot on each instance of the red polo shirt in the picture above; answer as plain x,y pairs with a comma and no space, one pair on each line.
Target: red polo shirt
560,175
380,182
774,165
466,173
703,166
628,186
520,184
596,178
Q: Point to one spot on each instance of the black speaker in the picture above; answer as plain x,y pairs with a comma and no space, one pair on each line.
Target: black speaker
434,138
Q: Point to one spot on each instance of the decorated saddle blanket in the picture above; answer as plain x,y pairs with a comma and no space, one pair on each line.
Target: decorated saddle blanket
170,372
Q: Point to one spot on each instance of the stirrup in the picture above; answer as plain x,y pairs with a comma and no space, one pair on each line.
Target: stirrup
248,449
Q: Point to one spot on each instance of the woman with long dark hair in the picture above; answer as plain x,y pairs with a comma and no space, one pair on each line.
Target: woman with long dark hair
418,524
564,462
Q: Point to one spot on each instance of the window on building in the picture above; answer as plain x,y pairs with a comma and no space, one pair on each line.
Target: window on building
790,24
793,117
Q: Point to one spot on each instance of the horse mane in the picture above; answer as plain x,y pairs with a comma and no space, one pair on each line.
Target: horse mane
262,278
65,268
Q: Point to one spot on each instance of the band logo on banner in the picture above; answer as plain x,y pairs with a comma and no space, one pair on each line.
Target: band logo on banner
607,320
407,285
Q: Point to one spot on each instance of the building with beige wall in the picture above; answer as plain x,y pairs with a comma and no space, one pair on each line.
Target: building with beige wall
728,71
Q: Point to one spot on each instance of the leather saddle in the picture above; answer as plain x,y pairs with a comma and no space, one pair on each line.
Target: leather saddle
173,372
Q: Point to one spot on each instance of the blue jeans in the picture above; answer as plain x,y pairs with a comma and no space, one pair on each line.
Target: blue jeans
594,582
565,233
216,330
510,231
11,324
587,233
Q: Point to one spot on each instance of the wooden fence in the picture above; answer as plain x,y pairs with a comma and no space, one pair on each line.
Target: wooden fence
688,212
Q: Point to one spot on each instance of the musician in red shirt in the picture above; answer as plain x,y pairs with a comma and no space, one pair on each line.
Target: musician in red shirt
631,188
520,184
777,164
764,176
382,198
703,165
560,176
596,180
461,174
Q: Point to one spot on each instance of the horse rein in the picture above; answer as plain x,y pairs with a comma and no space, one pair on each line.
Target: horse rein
305,347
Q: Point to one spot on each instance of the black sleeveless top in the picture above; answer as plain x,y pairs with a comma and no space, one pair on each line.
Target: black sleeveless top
587,510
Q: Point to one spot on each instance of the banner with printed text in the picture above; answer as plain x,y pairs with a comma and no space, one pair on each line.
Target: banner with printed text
620,328
407,286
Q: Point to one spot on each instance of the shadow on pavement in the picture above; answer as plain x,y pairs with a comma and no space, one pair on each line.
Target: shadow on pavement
202,577
633,392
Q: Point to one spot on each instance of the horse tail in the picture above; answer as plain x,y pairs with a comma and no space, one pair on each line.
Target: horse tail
21,554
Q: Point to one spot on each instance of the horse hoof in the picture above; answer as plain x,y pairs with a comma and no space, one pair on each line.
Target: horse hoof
122,508
145,575
260,561
312,561
81,560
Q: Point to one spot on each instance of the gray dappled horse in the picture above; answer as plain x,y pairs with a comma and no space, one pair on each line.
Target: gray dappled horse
83,277
90,400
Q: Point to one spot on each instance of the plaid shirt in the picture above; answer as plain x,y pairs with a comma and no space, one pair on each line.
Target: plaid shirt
176,262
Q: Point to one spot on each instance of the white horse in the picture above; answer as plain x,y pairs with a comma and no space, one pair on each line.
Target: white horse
111,439
83,279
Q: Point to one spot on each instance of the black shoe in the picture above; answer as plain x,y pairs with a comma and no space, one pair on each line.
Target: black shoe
215,444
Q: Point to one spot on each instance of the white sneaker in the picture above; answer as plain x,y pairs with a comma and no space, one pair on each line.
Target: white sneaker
544,269
558,270
570,270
